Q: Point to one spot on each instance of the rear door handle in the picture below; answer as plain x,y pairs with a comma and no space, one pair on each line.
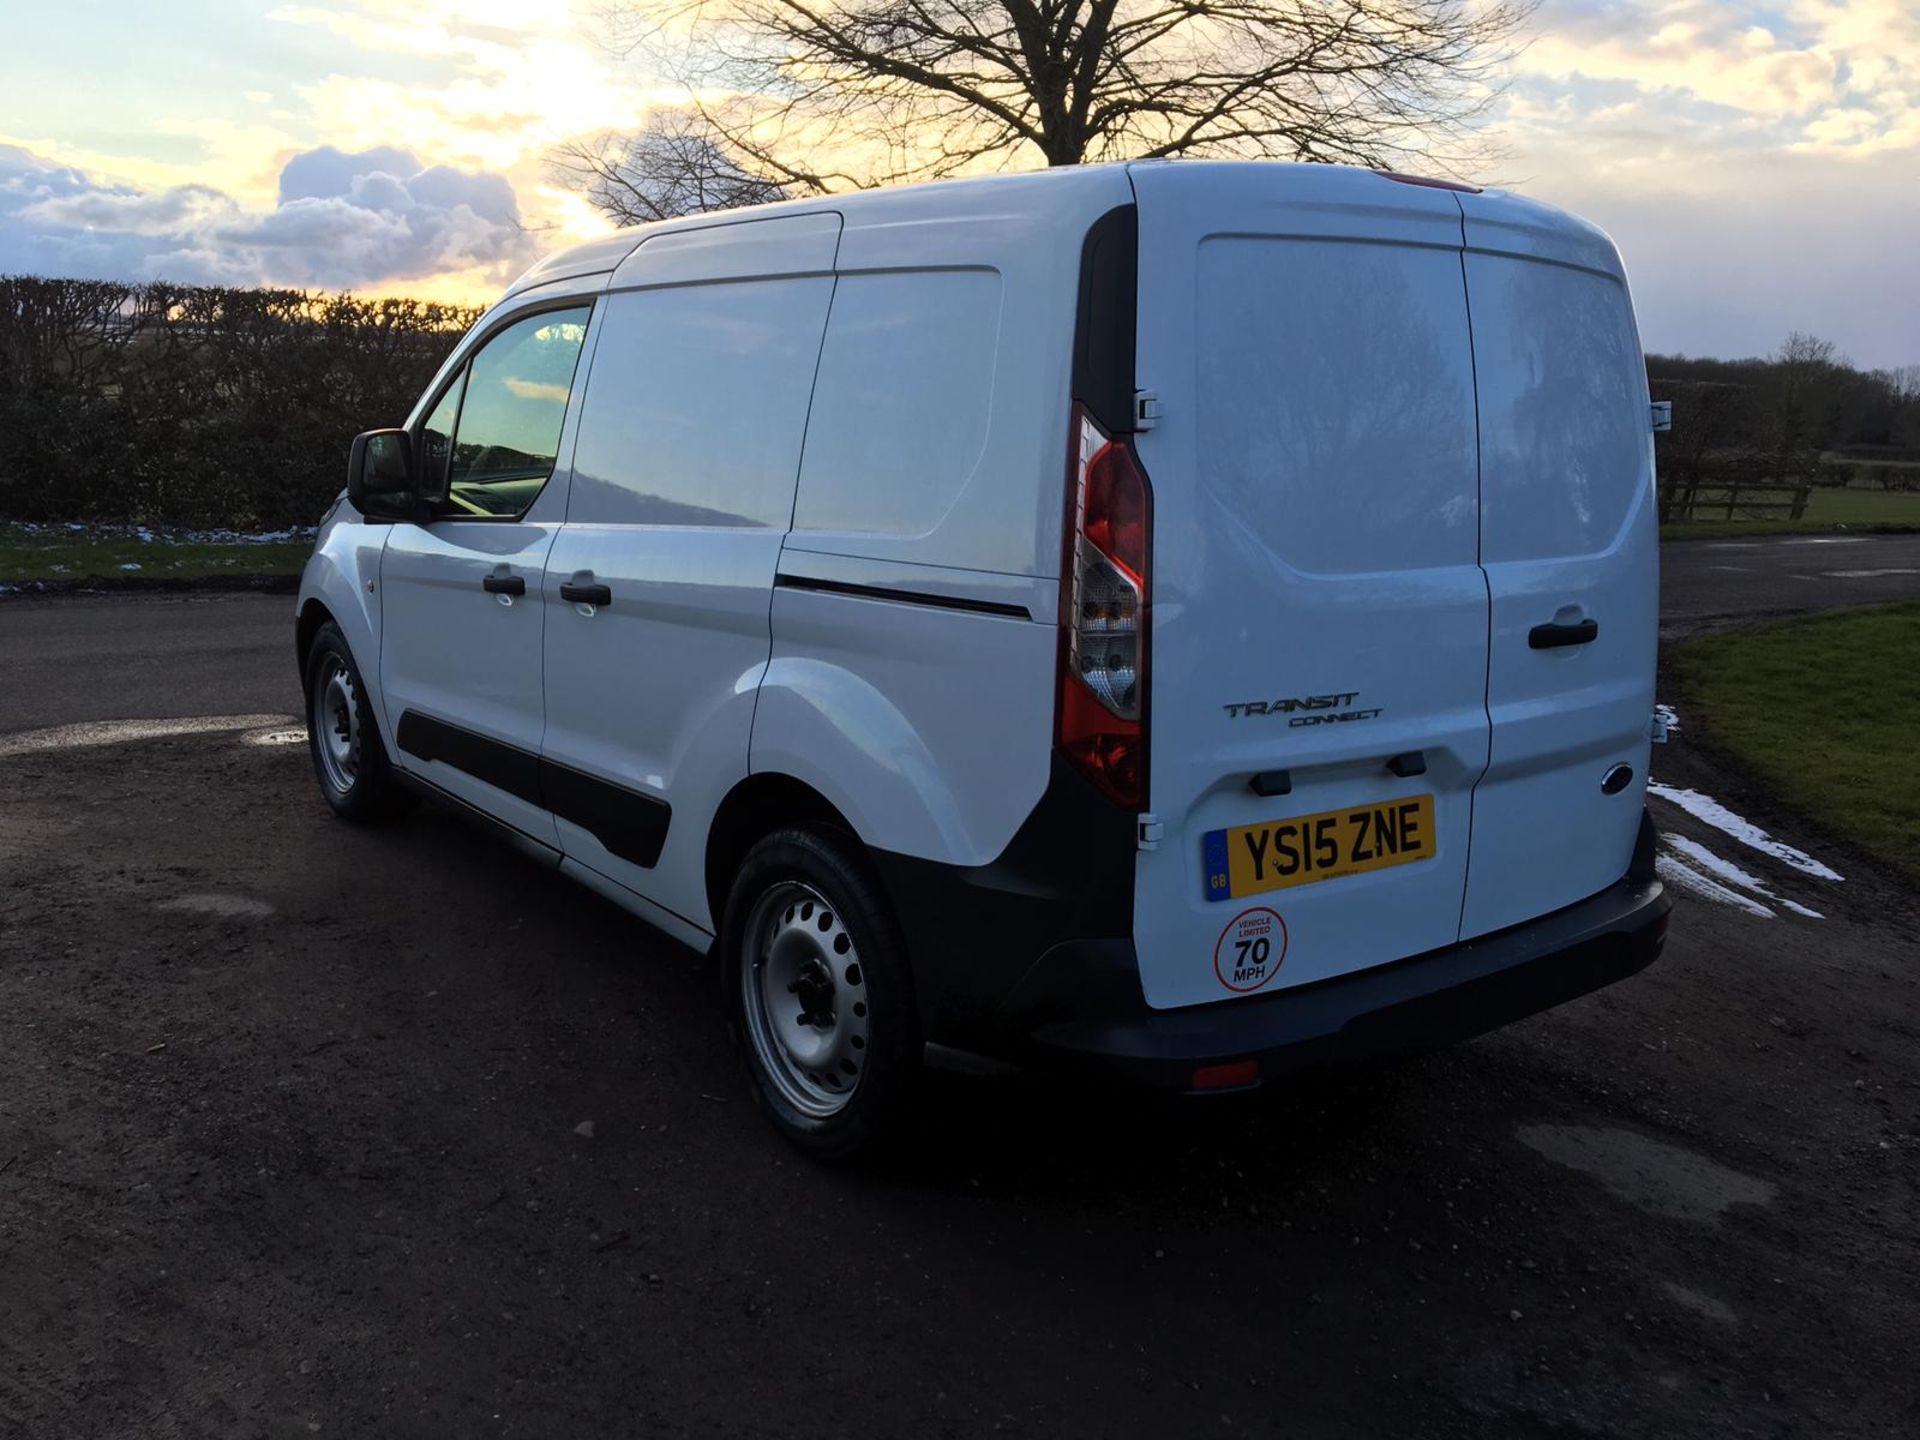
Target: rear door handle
1553,637
504,585
585,594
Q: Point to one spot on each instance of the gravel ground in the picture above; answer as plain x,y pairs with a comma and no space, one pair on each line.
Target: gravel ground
306,1129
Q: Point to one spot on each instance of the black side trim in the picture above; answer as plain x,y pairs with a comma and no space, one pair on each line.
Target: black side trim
630,825
1103,333
905,597
505,767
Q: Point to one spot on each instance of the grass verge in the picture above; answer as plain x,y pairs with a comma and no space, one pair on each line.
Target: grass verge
48,554
1853,509
1825,711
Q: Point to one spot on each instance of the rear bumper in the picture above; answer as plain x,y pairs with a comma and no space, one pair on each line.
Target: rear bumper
1086,1011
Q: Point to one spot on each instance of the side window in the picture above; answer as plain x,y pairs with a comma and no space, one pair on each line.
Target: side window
436,438
901,408
508,432
698,403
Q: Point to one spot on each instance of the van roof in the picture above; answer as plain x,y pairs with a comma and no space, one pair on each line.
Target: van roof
1070,189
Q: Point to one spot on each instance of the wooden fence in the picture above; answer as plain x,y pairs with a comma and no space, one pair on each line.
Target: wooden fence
1739,499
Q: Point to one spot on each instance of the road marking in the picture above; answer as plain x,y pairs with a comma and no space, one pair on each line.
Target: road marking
1868,574
1737,569
1828,540
123,732
1711,812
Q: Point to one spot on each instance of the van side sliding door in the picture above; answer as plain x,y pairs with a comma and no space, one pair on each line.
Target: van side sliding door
658,586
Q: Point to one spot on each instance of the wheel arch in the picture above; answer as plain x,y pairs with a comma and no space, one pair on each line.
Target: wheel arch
755,807
313,614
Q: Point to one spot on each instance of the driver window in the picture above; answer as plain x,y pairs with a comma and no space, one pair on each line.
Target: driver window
508,432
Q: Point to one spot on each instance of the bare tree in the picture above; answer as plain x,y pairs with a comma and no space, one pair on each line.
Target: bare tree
674,166
812,96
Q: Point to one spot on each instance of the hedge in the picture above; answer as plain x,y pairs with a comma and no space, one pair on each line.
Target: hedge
168,404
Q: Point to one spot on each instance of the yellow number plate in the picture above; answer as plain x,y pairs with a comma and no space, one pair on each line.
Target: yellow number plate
1252,859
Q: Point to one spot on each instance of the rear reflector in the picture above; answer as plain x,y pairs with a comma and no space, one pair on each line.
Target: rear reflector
1235,1076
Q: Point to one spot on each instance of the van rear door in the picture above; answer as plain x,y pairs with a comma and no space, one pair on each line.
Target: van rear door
1570,544
1318,628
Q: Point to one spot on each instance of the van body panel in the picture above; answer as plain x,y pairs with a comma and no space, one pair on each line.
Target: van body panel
743,249
1316,604
1569,534
930,728
985,494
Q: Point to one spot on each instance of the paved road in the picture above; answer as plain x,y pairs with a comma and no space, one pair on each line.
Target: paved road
1707,584
124,657
140,657
290,1145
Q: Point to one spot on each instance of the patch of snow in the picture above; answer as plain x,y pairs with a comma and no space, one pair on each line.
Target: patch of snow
120,732
1705,860
131,565
1682,876
1710,811
1669,717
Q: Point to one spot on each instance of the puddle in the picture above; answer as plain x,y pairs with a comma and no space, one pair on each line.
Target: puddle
1704,860
237,907
1710,811
1700,1304
1661,1179
123,732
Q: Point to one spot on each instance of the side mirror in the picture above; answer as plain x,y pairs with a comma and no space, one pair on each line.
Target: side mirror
380,475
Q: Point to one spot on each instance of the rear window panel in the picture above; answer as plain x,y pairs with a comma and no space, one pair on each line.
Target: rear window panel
1565,441
1336,401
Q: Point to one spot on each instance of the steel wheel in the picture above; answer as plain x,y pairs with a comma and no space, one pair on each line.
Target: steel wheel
334,716
804,999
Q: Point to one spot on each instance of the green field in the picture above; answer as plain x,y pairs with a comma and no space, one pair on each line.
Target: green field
57,554
1831,508
1825,710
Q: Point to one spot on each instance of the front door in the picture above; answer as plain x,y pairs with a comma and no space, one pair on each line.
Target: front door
460,657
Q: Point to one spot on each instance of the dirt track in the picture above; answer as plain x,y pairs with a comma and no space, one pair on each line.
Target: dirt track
288,1146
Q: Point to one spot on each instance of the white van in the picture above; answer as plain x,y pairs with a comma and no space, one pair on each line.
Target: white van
1182,620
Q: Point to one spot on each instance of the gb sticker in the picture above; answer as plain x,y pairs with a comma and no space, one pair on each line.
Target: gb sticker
1250,949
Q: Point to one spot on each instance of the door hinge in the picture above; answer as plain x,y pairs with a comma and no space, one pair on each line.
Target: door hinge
1146,409
1662,416
1150,832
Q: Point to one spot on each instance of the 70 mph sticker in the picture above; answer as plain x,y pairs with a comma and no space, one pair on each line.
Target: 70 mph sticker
1250,949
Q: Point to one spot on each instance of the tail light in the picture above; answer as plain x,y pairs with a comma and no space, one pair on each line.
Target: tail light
1104,592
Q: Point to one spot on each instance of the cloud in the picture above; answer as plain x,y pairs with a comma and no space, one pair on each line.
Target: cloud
343,220
1754,160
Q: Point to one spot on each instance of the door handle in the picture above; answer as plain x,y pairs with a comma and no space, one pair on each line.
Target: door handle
504,585
585,594
1553,636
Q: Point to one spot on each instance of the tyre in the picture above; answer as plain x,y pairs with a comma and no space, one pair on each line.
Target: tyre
348,758
819,994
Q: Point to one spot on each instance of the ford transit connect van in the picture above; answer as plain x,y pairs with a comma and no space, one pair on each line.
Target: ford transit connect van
1181,621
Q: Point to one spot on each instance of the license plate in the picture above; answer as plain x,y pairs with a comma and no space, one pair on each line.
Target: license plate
1306,849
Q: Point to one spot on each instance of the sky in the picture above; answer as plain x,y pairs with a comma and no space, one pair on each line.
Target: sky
1757,161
